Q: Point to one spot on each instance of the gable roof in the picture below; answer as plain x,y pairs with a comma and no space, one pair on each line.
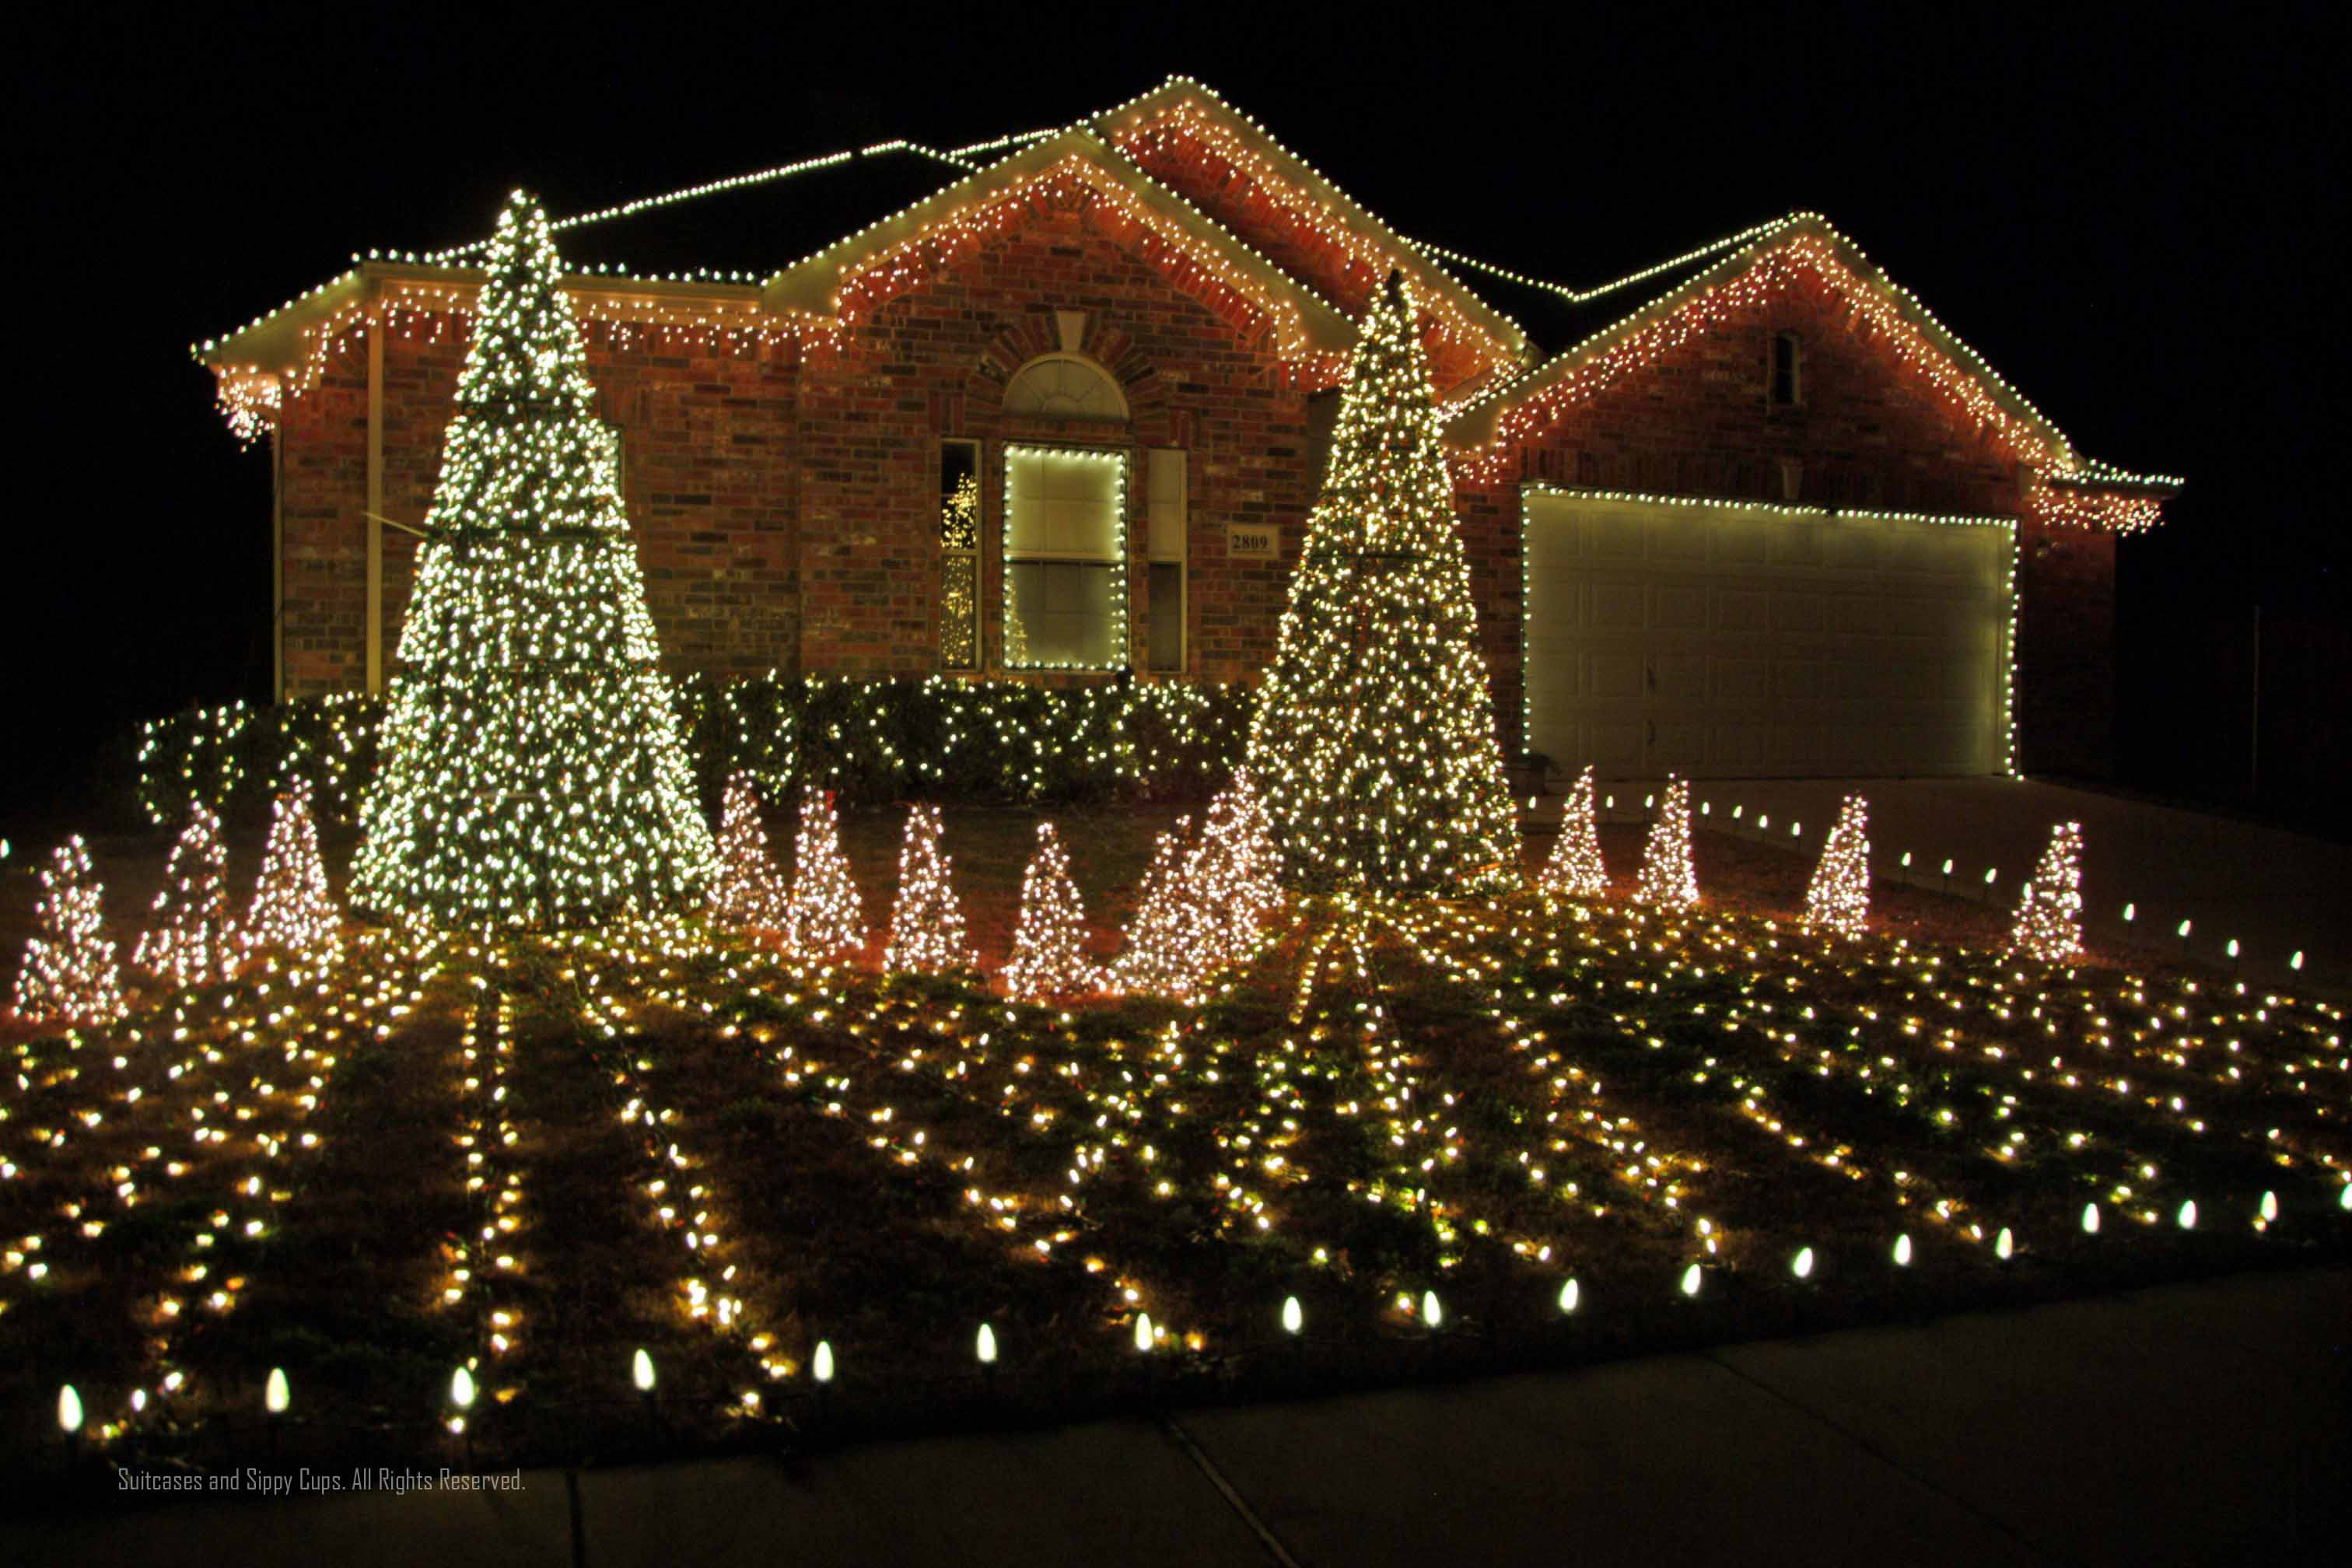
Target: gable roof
816,285
1703,286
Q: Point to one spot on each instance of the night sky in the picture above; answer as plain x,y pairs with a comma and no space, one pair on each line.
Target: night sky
2130,225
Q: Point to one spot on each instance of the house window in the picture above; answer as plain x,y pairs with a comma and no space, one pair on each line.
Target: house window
1065,387
958,556
1064,558
1164,631
1787,389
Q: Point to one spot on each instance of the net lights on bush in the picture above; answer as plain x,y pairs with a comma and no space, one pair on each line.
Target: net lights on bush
1049,940
1374,738
825,920
748,891
1668,879
187,942
532,773
1574,870
69,974
927,928
1838,898
2049,924
293,911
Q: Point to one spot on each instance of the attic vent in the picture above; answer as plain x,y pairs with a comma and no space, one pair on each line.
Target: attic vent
1787,364
1065,387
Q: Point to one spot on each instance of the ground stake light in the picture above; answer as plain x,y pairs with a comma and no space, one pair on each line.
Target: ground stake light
2270,1207
2004,1245
1691,1278
2090,1219
1903,1250
2189,1214
1293,1319
1143,1333
1568,1296
821,1365
275,1396
68,1410
1801,1266
641,1372
1432,1314
985,1345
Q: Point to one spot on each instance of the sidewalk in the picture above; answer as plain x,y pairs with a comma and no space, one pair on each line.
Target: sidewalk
2191,1423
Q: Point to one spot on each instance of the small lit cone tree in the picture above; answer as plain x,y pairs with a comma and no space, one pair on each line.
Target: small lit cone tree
533,772
1575,869
1668,879
1206,902
926,931
1049,938
748,892
1238,869
824,919
187,940
2049,924
1373,739
1838,898
293,912
69,974
1173,943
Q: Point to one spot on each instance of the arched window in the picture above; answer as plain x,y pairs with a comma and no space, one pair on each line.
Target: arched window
1787,366
1065,387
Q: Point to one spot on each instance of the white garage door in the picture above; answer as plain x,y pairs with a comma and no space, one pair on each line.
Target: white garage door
1727,642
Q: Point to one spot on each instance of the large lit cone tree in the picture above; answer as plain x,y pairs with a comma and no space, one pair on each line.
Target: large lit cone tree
533,772
1373,740
1668,879
1838,898
69,974
2049,924
1575,869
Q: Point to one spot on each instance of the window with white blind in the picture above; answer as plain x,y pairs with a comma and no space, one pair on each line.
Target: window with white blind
1064,558
1164,629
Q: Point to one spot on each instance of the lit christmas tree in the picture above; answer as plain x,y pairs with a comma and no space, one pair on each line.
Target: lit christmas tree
1205,902
1374,735
1049,940
748,892
2049,924
1574,871
824,919
927,933
1171,941
293,911
69,974
1838,898
1669,880
188,942
534,772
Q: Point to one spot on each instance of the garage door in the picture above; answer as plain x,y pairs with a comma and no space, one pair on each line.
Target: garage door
1739,641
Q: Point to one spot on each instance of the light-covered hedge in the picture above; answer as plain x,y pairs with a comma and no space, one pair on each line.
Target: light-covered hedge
870,740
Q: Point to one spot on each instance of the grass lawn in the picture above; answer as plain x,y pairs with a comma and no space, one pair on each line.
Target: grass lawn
541,1160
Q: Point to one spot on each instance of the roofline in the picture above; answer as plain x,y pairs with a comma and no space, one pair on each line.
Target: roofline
1353,214
1477,425
275,342
812,285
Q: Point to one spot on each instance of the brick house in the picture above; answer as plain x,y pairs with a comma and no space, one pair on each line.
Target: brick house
1065,417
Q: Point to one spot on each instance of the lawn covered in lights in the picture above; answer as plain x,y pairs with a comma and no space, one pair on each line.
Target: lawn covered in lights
545,1156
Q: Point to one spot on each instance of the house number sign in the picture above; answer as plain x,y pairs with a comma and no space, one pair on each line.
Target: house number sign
1253,541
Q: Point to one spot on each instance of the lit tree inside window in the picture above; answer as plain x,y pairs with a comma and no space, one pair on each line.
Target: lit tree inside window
1373,742
534,774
